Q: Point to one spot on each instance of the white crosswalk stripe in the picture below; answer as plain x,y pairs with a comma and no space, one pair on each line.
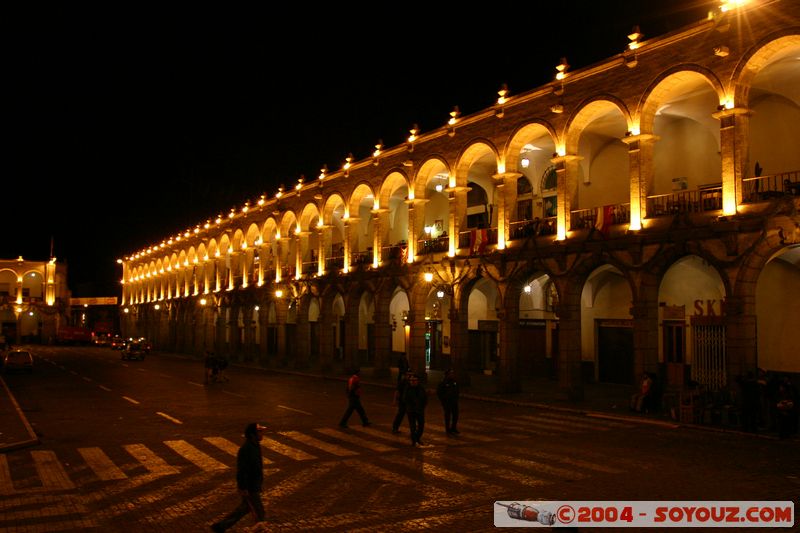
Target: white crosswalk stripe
204,461
50,470
358,441
151,461
316,443
103,467
288,451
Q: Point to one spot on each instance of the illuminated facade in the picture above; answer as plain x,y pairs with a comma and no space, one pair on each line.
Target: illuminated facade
636,215
34,298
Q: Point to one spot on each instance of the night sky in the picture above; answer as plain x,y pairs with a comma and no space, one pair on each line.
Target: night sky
123,127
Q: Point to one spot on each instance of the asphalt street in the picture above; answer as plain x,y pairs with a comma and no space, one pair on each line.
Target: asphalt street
147,446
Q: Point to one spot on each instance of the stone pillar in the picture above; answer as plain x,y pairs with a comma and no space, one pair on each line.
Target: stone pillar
508,333
506,191
645,332
733,138
640,161
379,216
279,244
567,172
457,197
740,330
383,339
570,383
459,340
350,226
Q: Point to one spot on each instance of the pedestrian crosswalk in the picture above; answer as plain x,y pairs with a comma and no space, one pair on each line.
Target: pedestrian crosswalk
484,458
216,453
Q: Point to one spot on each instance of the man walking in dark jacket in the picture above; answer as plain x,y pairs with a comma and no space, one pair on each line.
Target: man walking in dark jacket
249,478
447,391
415,399
402,385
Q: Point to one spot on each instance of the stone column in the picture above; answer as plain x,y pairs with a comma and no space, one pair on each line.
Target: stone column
506,185
457,197
567,172
640,161
378,217
508,333
733,138
570,383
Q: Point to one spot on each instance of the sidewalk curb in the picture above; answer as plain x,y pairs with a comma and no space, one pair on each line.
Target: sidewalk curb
25,443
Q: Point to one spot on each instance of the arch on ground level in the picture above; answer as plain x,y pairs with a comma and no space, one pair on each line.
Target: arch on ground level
691,298
482,299
399,307
607,334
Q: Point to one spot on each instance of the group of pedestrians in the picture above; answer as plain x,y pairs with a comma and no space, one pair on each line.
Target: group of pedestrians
411,399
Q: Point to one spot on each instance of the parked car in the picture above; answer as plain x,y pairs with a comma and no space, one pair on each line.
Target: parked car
133,350
18,360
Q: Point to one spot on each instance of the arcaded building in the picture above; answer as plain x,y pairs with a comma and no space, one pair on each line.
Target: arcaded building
34,299
639,214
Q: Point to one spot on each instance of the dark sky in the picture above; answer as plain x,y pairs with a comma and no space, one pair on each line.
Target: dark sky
123,127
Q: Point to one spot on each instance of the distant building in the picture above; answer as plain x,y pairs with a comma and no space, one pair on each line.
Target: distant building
639,214
34,299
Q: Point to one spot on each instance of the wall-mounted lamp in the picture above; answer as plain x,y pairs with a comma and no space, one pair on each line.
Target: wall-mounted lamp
414,131
440,294
279,293
561,69
557,109
525,162
722,51
501,100
348,162
634,37
428,276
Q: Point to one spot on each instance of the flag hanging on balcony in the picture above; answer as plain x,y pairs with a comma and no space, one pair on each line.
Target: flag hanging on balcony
478,240
605,218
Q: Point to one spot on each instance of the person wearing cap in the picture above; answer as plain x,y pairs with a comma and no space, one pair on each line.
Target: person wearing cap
249,479
416,398
354,401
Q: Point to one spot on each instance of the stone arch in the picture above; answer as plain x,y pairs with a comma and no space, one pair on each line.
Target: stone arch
521,137
769,49
431,167
599,106
672,81
475,150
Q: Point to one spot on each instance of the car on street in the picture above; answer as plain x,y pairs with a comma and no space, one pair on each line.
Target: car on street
133,350
117,343
146,346
18,360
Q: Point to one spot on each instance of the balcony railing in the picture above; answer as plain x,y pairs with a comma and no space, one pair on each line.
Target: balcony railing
361,258
522,229
334,263
309,267
394,252
434,245
701,200
612,214
476,239
764,188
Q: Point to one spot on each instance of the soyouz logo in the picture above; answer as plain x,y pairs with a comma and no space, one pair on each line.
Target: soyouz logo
644,514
